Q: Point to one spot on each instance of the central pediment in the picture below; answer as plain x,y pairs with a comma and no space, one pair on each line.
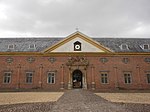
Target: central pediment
77,42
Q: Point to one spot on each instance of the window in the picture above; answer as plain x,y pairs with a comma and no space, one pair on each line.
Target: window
11,46
7,77
147,60
104,78
32,46
127,78
146,47
77,46
29,77
51,78
124,47
148,78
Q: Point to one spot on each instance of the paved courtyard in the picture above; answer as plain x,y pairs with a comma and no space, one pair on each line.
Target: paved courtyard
76,100
85,101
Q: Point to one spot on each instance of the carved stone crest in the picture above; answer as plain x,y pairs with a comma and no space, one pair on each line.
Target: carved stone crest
77,61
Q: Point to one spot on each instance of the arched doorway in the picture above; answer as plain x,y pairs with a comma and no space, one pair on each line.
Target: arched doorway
77,79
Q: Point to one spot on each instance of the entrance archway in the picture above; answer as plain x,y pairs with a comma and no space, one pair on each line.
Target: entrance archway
77,79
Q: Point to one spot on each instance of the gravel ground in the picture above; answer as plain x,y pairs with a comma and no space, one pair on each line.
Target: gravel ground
77,100
134,107
30,107
85,101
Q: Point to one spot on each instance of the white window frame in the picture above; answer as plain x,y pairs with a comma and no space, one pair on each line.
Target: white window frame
145,45
107,77
128,73
121,47
34,46
30,77
147,77
13,46
54,75
6,73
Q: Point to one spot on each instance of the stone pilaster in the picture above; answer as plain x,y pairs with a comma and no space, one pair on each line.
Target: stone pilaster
40,78
18,77
69,78
93,78
62,77
138,73
116,78
85,79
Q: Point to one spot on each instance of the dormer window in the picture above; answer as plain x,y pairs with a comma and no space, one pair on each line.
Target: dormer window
146,47
32,46
124,47
11,46
77,46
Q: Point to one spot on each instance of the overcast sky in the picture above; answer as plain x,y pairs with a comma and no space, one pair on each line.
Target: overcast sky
95,18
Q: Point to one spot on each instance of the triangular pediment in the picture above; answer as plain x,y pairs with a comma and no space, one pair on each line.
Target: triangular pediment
68,45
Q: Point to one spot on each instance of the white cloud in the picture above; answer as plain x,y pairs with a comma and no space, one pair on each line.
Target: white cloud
61,17
141,30
45,2
3,11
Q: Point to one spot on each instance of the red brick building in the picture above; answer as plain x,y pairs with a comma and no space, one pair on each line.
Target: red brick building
76,61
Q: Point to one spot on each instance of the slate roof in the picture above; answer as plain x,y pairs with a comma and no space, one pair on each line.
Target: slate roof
22,44
134,44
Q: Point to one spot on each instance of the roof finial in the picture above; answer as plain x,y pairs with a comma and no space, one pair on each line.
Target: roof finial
77,29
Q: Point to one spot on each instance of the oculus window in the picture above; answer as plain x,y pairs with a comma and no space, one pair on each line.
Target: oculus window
77,46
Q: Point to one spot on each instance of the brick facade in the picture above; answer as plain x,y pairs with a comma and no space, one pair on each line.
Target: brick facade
114,67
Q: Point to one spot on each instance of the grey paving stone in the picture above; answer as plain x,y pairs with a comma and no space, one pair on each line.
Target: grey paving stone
85,101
